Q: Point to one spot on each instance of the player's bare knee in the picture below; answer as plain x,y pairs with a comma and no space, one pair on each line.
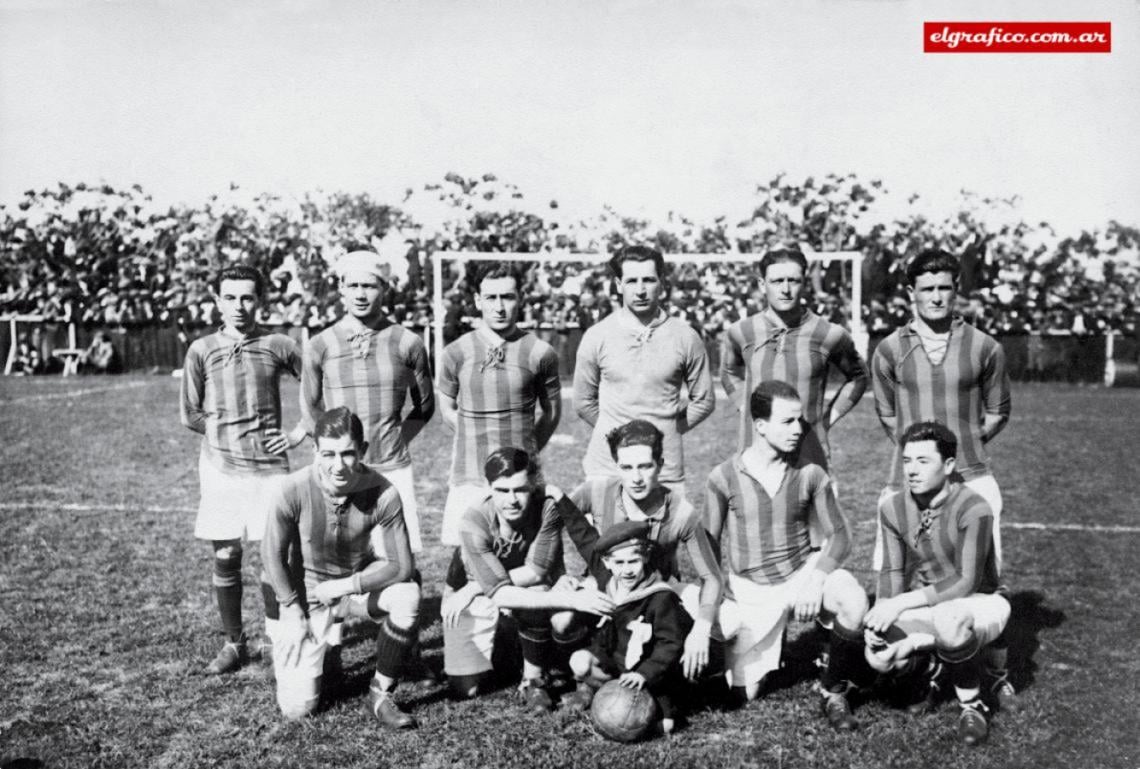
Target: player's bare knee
404,605
562,622
953,624
845,599
581,662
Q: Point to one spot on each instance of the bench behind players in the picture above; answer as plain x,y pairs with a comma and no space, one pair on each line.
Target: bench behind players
348,524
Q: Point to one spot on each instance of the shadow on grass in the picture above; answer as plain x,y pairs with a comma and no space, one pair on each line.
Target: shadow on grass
1029,616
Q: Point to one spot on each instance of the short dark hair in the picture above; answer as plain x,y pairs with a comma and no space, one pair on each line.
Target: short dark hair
337,423
637,432
494,270
779,255
943,437
637,254
508,461
933,260
240,272
760,404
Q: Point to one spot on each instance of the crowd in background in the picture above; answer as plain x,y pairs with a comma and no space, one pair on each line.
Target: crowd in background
106,257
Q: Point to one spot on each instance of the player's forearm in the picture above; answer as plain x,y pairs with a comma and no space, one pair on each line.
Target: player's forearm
527,576
992,424
890,424
377,577
449,410
699,409
712,590
545,425
846,399
195,419
515,597
275,559
582,534
410,428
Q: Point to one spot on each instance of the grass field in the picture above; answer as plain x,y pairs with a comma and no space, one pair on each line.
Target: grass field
107,619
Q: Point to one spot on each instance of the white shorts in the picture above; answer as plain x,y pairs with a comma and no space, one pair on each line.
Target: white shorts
459,498
299,683
989,610
405,482
233,506
986,487
753,624
468,646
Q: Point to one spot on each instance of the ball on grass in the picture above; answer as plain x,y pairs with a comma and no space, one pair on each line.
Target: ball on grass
622,713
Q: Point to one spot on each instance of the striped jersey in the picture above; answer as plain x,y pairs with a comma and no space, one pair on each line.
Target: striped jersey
496,384
970,381
945,550
762,348
361,532
487,556
601,503
769,538
627,371
231,394
372,372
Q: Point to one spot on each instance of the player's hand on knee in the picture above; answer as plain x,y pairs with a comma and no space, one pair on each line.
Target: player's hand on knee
292,630
453,605
331,591
632,680
810,598
882,615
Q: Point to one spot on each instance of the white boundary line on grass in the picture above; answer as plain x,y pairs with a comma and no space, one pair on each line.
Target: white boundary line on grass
72,507
77,393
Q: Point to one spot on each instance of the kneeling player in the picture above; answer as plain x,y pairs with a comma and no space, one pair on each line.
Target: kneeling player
642,641
938,583
349,525
766,503
509,557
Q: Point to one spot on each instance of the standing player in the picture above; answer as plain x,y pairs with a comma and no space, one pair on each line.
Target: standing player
231,395
633,365
760,509
511,555
371,365
939,367
790,343
347,522
938,582
490,383
637,495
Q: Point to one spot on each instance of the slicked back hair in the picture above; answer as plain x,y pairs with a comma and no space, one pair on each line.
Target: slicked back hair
240,272
943,437
760,403
933,260
337,423
779,255
637,432
507,461
494,270
637,254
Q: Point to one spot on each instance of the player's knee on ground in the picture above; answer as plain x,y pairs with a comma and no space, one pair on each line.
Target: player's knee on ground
227,563
466,686
953,624
402,602
845,599
297,697
581,663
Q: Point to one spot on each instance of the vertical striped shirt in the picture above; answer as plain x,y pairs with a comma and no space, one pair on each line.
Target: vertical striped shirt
361,532
762,348
945,550
371,372
600,503
488,557
496,384
769,538
231,394
627,371
969,382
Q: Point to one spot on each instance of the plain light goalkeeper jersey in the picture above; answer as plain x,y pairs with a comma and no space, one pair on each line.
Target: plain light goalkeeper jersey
231,394
372,372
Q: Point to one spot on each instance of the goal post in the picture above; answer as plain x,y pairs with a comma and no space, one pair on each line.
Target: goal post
854,258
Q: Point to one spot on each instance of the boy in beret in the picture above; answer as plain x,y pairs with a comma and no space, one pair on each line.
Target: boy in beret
641,643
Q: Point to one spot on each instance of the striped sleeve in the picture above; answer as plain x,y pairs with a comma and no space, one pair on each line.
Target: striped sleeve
574,509
312,383
290,356
422,394
732,362
995,382
449,370
545,553
546,372
389,540
975,538
716,510
280,534
826,509
892,574
883,380
850,363
194,390
700,551
479,557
